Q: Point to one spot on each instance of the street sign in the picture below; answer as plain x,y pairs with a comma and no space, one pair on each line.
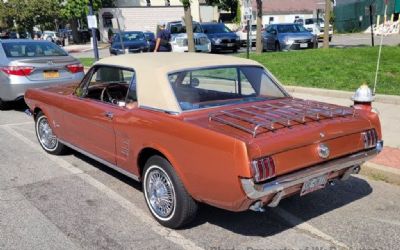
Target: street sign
248,12
92,21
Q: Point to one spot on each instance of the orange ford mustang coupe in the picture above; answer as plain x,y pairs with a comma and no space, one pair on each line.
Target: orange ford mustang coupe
203,128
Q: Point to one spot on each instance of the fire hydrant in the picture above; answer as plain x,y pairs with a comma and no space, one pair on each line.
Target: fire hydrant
363,98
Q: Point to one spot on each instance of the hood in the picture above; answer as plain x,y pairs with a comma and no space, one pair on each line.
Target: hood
184,35
222,35
297,35
130,44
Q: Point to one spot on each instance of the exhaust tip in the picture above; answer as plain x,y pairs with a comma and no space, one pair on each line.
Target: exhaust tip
257,207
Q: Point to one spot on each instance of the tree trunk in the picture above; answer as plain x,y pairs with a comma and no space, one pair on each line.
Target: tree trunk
74,28
326,23
259,45
189,28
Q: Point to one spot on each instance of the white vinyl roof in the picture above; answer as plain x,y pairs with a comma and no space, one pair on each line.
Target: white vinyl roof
152,69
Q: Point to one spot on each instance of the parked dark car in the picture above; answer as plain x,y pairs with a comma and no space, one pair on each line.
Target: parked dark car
132,42
221,37
151,40
287,36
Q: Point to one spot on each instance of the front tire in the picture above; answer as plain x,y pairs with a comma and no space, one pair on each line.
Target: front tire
166,197
45,136
3,105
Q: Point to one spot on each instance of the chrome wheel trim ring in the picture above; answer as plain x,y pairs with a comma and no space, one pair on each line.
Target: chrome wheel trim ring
45,134
159,193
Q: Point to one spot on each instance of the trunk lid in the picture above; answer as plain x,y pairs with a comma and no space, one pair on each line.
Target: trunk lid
46,68
290,130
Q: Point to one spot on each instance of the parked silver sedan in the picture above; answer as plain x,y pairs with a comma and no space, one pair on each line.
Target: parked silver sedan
288,36
32,64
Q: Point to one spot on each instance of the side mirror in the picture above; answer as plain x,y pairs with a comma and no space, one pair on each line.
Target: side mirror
194,82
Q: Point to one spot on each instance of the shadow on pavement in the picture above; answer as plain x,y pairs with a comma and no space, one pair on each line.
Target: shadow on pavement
16,106
270,222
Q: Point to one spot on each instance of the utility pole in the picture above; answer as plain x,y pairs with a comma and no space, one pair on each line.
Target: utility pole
326,23
259,45
371,22
94,36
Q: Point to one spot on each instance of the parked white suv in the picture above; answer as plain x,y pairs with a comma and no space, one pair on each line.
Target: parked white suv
179,41
316,27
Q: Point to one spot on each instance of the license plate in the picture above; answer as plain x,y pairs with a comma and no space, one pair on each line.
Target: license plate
303,45
51,74
314,184
231,44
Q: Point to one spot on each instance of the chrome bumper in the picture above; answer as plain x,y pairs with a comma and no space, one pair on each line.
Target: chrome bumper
257,191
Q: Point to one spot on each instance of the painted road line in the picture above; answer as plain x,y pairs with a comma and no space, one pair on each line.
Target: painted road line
300,224
168,234
16,124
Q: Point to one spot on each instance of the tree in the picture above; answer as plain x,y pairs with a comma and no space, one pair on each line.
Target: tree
326,23
259,45
28,13
188,24
228,5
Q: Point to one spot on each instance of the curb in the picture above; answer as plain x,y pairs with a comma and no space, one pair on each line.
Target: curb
381,173
389,99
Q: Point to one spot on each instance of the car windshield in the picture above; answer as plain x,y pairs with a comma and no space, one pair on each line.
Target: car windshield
290,28
178,28
218,86
216,28
314,20
32,49
130,36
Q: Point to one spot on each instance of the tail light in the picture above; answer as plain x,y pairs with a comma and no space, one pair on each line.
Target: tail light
370,138
263,169
75,68
17,70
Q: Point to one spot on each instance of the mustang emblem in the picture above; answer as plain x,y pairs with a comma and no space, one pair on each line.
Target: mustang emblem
322,135
50,63
323,151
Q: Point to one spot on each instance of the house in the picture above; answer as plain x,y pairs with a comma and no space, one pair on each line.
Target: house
144,15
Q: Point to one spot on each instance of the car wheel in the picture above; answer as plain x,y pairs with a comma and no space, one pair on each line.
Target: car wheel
3,105
277,46
166,197
46,137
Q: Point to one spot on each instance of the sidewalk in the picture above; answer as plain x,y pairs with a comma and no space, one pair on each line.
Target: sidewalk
386,165
77,48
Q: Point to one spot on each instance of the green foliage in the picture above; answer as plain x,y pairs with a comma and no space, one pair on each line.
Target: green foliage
78,8
28,13
238,17
341,69
186,3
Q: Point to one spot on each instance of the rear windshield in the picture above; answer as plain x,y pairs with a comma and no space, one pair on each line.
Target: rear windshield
178,28
32,49
130,36
217,86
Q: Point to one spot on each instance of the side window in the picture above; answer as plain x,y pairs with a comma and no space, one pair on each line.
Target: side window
107,84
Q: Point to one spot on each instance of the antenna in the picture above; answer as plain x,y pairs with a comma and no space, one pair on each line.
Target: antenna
380,49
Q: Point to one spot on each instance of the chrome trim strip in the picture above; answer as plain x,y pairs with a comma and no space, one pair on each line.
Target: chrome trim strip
108,164
256,191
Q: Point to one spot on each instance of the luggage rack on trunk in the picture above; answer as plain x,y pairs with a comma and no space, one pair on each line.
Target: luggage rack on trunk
265,117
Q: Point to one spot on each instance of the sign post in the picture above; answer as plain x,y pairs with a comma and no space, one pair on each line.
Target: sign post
92,23
248,12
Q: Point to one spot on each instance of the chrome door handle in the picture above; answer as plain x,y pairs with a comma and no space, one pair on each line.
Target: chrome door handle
109,114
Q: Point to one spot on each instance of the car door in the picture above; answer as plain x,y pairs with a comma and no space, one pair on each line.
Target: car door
90,112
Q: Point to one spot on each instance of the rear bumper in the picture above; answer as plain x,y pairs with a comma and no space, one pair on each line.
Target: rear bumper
12,90
278,188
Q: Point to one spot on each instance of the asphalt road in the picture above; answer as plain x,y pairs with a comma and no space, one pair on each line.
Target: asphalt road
72,202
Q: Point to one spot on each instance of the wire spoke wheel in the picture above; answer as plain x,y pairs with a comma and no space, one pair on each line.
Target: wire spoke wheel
45,134
160,192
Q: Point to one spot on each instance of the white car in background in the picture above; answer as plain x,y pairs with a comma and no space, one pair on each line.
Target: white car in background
316,27
179,41
242,33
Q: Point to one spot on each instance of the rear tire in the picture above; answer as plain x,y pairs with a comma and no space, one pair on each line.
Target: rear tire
165,195
45,136
3,105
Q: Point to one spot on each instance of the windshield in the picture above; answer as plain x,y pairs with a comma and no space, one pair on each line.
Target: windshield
314,20
130,36
291,28
178,28
32,49
216,28
217,86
